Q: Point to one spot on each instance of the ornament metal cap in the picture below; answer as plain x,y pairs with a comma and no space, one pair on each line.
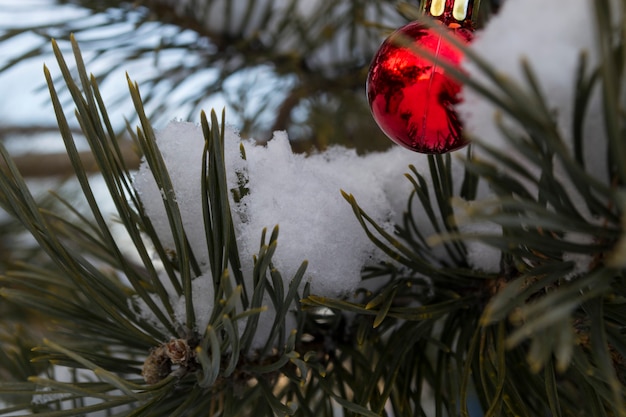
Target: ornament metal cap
453,13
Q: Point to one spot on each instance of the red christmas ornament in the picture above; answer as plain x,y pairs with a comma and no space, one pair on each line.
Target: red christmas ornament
412,99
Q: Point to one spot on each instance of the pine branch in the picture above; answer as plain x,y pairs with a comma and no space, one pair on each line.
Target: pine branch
526,331
541,335
94,291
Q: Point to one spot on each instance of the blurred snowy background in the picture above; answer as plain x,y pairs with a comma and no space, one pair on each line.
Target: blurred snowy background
281,73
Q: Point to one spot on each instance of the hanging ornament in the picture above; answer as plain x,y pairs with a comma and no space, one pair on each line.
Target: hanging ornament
412,99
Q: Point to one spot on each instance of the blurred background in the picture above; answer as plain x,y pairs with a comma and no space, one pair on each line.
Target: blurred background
298,66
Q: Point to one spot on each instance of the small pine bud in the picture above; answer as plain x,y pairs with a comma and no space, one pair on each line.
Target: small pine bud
157,365
179,352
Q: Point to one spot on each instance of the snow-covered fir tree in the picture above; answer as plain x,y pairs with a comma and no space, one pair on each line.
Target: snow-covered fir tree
282,257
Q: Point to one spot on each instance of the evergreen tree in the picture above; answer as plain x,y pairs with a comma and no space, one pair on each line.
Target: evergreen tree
90,326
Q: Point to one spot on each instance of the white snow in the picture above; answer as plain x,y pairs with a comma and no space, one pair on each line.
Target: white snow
551,36
299,193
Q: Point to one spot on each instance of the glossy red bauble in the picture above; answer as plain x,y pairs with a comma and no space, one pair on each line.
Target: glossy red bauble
412,99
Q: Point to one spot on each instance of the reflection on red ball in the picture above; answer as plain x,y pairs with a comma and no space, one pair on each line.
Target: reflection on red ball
411,98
